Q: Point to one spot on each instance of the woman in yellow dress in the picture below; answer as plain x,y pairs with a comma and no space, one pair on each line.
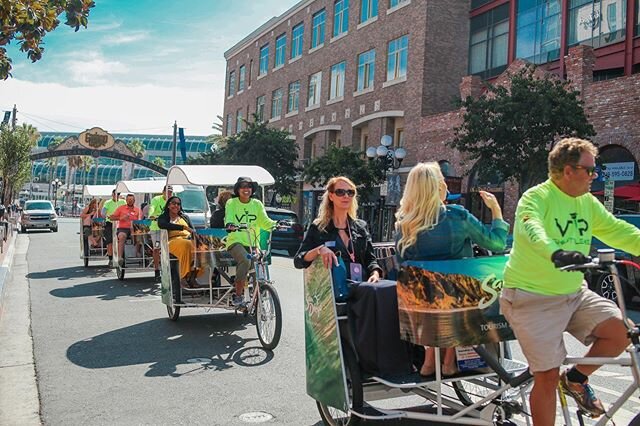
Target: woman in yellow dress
180,230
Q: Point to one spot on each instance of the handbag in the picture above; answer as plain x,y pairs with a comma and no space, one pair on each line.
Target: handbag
341,287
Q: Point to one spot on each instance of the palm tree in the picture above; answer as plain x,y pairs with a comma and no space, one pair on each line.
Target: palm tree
158,161
87,163
218,139
137,147
52,163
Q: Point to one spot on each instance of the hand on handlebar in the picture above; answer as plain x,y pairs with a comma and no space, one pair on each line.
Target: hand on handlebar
562,258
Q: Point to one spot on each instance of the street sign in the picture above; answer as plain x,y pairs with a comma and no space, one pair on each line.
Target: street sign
609,186
619,171
383,189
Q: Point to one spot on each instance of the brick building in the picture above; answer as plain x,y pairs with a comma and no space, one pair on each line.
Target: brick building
347,73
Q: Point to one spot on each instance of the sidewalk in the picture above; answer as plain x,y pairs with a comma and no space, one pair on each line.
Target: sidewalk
19,400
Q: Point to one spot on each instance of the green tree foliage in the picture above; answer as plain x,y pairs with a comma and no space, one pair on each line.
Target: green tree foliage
261,146
510,131
159,161
28,21
344,162
137,147
15,165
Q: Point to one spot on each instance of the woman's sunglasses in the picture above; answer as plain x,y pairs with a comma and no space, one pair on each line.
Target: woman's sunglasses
246,185
342,192
176,203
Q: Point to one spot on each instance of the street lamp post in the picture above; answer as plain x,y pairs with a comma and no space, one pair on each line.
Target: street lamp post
56,183
388,159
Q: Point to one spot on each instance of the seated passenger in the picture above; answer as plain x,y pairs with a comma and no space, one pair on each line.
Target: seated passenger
125,215
217,218
337,230
88,214
427,229
180,230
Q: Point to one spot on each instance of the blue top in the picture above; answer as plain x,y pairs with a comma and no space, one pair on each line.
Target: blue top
453,236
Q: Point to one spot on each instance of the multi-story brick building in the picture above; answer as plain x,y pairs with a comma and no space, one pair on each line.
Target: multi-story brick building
348,73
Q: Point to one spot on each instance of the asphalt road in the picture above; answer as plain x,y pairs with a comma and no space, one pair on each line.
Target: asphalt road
106,352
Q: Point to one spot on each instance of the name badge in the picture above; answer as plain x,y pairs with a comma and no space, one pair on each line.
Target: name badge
355,270
330,244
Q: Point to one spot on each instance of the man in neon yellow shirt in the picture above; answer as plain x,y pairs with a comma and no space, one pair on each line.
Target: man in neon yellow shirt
553,227
244,210
155,209
108,209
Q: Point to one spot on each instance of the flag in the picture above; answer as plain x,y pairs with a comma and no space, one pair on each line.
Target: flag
183,144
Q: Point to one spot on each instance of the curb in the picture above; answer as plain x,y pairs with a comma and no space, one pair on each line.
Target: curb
6,264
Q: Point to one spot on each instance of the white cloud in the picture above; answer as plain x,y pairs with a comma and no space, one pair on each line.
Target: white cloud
147,109
125,38
94,71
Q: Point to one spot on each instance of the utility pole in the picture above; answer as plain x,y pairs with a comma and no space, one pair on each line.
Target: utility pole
175,137
14,120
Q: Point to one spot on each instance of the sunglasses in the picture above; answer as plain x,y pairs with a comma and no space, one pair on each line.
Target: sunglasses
590,170
343,192
246,185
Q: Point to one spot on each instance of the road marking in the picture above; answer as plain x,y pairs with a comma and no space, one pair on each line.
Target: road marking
606,373
146,299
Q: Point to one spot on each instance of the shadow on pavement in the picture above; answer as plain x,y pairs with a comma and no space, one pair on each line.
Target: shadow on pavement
72,272
110,289
192,345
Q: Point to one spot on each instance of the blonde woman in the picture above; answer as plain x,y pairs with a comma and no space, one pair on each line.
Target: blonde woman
427,229
337,230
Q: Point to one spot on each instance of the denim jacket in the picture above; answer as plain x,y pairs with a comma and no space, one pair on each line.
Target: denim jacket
453,236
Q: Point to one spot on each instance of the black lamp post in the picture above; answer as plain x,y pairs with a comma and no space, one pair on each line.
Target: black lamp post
388,159
56,183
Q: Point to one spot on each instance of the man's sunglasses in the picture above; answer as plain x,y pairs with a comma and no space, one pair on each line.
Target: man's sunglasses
590,170
343,192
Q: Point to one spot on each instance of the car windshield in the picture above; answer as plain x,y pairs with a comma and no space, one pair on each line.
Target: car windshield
43,205
289,217
193,199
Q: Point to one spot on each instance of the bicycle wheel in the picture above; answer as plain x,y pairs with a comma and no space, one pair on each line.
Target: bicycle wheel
635,421
268,316
173,312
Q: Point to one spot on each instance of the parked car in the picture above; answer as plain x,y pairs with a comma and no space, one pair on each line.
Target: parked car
288,239
38,214
629,276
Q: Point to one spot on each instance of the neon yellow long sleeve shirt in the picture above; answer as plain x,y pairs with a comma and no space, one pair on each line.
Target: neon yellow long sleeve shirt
252,214
547,220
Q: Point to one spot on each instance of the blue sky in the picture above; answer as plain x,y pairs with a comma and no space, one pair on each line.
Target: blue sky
140,65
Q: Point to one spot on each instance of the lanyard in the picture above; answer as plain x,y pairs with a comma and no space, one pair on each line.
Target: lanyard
350,246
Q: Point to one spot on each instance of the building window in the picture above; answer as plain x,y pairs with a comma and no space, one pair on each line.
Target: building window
637,18
400,138
276,103
241,78
394,3
477,3
297,36
232,83
317,36
597,23
239,121
264,60
336,88
538,31
368,10
397,58
229,124
489,42
281,49
294,96
366,69
260,102
315,82
340,17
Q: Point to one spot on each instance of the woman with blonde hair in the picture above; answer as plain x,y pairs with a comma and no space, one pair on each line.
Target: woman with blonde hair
428,229
88,214
337,230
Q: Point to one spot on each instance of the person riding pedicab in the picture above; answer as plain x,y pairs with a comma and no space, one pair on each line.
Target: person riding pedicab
88,214
108,208
180,233
156,207
242,209
125,215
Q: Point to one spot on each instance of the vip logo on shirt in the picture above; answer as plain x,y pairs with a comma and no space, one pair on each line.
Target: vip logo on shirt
246,217
581,225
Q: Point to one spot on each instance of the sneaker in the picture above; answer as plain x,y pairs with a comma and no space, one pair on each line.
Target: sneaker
237,301
584,396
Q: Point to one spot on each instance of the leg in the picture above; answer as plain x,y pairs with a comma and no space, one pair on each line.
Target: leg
543,397
449,364
243,264
122,238
610,340
429,365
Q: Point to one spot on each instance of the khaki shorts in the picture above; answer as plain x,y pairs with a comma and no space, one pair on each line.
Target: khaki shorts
155,238
539,321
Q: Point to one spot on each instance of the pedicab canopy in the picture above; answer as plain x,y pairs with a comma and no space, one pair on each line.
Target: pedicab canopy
215,175
99,191
140,186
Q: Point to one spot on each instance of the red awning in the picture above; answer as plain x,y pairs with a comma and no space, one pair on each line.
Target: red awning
631,190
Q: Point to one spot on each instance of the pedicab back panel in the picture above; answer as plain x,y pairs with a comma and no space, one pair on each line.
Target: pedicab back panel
452,302
325,374
165,267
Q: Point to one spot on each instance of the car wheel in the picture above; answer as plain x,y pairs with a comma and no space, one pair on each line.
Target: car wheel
54,229
604,286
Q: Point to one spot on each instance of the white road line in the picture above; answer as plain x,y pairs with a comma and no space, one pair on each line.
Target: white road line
603,373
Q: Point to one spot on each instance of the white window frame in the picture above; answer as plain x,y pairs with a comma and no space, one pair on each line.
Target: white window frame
263,67
276,103
241,77
318,28
260,111
368,69
315,89
281,51
293,97
394,58
340,17
370,12
297,41
336,84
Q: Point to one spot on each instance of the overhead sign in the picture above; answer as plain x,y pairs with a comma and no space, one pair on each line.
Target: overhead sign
96,138
619,171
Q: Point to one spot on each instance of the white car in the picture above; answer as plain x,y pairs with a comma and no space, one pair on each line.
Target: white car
38,214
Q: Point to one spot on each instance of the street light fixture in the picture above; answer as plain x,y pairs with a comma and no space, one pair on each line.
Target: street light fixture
56,183
388,159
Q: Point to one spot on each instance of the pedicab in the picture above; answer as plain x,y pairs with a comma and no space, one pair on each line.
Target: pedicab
350,373
216,266
138,248
97,250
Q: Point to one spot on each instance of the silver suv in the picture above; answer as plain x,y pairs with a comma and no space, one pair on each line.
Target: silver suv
38,214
